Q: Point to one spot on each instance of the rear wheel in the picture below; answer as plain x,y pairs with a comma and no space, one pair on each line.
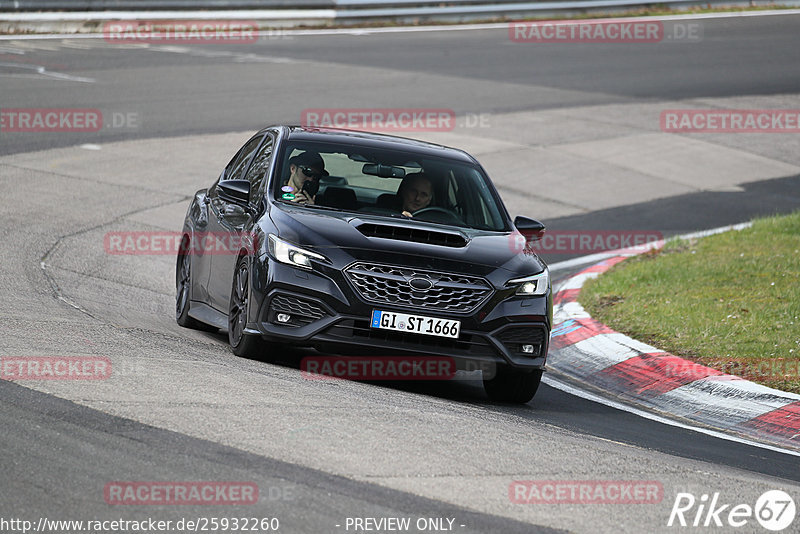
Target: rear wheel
513,385
242,344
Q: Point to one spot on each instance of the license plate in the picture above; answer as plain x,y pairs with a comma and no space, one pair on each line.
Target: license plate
415,324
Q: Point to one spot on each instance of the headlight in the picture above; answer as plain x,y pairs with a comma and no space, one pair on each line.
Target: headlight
537,284
287,253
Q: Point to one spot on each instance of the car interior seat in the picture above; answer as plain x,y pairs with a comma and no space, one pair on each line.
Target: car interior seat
388,201
339,197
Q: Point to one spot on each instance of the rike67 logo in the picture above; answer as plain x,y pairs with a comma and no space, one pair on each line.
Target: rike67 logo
774,510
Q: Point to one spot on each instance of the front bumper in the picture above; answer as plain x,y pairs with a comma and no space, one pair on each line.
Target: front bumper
326,312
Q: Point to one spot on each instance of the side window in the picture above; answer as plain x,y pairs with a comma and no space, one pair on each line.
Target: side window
257,173
235,170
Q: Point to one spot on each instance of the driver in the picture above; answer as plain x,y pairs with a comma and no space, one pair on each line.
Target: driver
305,167
416,192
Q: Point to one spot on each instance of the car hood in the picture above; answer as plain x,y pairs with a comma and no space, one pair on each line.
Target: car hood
340,236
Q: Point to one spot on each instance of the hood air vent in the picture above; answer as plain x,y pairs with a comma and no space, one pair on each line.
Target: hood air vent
417,235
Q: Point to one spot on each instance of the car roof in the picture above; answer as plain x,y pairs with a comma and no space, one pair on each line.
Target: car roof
375,140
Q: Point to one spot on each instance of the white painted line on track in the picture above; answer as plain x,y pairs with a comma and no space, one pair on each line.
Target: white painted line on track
567,388
40,72
577,281
241,15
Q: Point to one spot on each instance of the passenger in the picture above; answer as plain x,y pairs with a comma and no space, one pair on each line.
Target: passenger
306,167
415,192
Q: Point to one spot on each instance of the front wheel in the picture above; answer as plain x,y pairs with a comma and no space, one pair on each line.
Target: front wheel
513,385
242,344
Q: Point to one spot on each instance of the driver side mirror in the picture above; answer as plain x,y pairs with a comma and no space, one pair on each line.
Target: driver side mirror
236,191
532,229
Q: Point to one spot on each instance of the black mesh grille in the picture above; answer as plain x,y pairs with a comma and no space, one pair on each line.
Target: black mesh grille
514,337
302,311
383,284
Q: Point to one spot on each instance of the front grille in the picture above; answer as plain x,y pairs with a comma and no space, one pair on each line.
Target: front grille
418,235
514,337
302,311
384,284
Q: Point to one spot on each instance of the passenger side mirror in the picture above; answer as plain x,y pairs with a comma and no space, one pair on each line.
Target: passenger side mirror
236,191
532,229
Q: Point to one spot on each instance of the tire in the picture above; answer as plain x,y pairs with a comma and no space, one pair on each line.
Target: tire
513,385
183,292
242,344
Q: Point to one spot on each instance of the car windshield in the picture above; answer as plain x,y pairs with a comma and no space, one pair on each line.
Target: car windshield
392,184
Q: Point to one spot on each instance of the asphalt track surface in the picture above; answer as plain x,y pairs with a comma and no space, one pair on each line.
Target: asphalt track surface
180,91
183,408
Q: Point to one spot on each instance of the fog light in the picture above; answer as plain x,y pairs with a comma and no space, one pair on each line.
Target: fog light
527,349
284,317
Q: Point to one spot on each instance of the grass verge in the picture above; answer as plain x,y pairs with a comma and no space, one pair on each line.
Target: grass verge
729,301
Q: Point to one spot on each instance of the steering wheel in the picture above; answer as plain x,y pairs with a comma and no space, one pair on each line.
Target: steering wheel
449,215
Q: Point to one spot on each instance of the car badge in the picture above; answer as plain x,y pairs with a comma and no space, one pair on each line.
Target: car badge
420,284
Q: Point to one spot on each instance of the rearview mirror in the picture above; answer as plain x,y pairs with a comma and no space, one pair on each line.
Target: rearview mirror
384,171
532,229
236,191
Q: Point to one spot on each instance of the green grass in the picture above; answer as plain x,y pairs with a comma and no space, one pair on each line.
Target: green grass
729,301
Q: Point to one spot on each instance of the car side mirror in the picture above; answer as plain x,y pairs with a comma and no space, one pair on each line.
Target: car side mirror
532,229
236,191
